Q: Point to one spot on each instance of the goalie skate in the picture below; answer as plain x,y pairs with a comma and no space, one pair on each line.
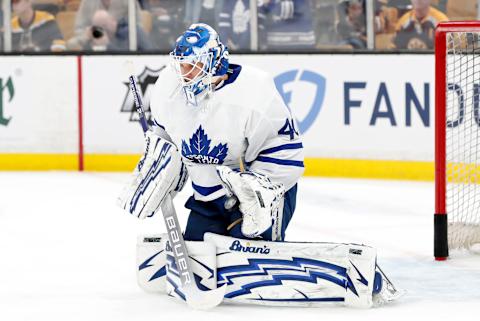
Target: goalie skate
384,291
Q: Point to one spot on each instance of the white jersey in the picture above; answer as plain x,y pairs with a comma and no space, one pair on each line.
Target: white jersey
244,120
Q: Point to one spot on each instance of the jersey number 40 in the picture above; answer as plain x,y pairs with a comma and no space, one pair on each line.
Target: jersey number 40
288,129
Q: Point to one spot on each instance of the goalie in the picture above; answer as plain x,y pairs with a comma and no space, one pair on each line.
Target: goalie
228,128
221,116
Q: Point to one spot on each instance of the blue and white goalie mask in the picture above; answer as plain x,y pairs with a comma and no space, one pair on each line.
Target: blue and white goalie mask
198,58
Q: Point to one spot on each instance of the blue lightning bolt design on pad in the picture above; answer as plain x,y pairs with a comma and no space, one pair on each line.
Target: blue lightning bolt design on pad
173,269
161,272
262,267
362,278
147,264
155,170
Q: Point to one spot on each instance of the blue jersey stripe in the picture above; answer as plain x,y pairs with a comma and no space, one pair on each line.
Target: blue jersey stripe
206,190
286,162
281,147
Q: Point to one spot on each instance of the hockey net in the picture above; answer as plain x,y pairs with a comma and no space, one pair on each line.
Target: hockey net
457,176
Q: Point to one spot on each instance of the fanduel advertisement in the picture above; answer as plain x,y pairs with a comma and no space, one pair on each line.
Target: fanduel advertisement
358,106
377,107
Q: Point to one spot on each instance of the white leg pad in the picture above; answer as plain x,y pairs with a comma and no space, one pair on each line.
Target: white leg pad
361,261
203,262
294,274
151,270
268,273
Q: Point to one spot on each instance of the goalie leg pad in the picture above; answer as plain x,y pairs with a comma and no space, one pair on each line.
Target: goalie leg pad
294,274
360,264
157,271
202,257
270,273
151,260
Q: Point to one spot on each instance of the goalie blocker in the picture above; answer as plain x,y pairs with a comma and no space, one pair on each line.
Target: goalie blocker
270,273
159,172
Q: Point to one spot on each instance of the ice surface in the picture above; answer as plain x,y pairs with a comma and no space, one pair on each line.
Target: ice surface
67,253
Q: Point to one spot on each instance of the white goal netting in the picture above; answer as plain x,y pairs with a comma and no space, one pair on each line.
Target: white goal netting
463,139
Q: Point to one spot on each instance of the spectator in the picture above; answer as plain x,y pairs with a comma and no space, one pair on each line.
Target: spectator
34,30
167,21
381,21
145,4
441,5
352,27
205,11
404,5
289,25
234,24
325,22
108,33
416,28
118,9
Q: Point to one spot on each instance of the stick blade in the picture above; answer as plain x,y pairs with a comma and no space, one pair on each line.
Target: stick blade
204,300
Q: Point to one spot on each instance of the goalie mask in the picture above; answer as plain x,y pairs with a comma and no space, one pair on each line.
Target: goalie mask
199,57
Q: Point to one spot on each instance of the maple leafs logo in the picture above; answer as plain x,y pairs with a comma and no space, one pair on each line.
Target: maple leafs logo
198,149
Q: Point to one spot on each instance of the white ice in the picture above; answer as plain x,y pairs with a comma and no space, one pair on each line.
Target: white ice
67,253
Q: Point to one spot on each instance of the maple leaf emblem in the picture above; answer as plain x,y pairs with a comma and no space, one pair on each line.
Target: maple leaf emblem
198,149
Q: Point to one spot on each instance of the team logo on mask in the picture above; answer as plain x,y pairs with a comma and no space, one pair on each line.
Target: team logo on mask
198,149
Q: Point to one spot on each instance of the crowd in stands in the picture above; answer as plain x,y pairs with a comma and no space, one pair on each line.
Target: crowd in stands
283,25
411,24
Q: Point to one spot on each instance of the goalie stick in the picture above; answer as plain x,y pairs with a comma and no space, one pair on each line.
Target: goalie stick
195,297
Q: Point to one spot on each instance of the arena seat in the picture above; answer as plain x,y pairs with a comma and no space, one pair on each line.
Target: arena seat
384,41
462,10
66,23
146,20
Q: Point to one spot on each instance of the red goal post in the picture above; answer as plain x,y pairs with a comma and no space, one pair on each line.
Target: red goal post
457,136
